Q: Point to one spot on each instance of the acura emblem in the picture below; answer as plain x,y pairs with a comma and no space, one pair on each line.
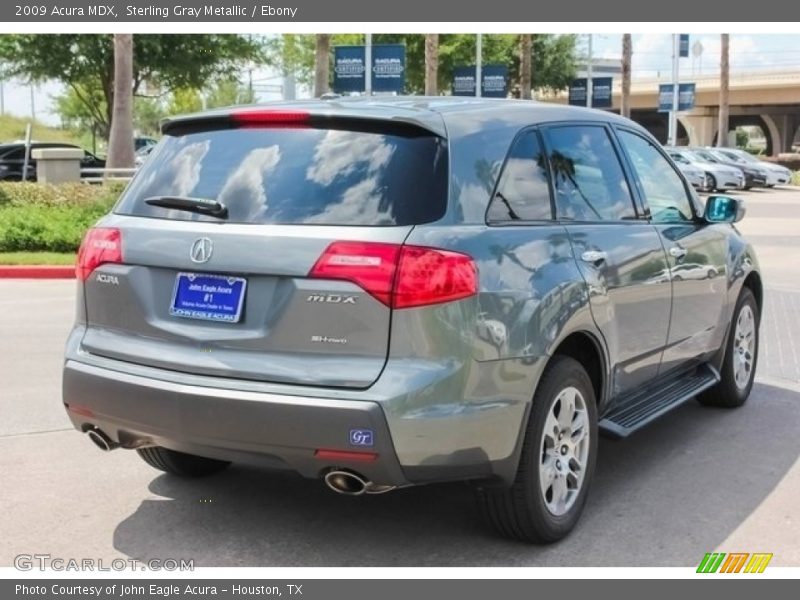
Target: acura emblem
201,250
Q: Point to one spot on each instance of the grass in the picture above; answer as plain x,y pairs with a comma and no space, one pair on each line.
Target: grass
13,128
37,258
796,178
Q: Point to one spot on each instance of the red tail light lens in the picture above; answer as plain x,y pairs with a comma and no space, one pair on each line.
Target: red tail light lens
367,264
100,245
269,117
431,276
400,276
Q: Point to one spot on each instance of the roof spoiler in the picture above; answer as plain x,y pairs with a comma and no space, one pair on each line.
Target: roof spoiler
282,117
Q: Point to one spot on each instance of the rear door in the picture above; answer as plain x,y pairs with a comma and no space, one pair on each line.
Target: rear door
619,254
232,296
696,252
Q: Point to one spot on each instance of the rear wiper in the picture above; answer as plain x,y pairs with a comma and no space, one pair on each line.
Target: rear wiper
202,206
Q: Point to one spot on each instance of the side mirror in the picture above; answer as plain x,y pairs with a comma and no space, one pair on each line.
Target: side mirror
724,209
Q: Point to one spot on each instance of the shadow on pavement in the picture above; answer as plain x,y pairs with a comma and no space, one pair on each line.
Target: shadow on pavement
661,498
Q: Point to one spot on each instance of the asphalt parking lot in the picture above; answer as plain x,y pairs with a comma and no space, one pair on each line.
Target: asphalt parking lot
696,481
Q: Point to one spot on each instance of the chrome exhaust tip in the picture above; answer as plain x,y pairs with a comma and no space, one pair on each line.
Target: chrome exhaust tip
353,484
346,482
101,440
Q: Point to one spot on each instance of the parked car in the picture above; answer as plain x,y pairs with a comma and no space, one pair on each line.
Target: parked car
140,142
142,154
776,174
694,174
388,292
12,159
755,176
718,177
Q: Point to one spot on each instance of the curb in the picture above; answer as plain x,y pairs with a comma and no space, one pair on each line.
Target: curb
37,272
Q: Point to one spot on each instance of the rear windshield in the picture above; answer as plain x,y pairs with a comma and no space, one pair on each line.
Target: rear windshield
297,176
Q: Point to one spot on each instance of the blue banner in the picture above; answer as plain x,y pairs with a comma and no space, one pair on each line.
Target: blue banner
348,69
577,92
464,81
389,68
683,45
686,94
494,81
601,92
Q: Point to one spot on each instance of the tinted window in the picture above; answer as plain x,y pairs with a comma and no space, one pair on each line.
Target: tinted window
662,187
589,181
18,154
294,176
523,192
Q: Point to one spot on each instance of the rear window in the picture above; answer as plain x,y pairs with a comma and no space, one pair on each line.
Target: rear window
297,176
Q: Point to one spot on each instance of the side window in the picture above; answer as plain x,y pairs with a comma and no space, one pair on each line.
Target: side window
662,187
589,182
523,193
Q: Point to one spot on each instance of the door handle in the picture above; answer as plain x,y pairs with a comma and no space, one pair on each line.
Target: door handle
677,252
594,256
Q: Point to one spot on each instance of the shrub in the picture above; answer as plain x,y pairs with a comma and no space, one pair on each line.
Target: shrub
53,218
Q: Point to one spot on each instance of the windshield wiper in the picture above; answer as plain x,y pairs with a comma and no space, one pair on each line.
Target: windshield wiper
202,206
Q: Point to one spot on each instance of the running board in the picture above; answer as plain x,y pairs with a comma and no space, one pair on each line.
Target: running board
646,405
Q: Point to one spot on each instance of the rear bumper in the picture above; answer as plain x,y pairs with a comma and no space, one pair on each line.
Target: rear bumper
253,427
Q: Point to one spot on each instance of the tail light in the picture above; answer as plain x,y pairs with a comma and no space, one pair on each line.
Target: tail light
100,245
400,276
261,117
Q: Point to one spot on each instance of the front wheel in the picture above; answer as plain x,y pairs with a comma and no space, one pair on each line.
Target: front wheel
557,463
741,355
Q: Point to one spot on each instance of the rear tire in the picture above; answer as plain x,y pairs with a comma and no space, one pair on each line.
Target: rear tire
557,462
741,356
179,463
712,182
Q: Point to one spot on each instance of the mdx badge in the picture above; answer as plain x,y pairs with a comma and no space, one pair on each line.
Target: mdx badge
201,250
332,298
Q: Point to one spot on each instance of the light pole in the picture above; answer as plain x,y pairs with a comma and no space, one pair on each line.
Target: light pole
478,65
589,85
368,65
673,114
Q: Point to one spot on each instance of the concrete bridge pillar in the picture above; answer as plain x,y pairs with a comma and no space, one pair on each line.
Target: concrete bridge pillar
781,130
700,126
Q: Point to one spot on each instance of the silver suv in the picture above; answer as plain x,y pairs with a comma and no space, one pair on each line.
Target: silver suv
390,292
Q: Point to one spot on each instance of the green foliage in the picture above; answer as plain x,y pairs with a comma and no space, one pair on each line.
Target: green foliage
37,217
554,56
796,178
85,63
742,138
13,128
37,258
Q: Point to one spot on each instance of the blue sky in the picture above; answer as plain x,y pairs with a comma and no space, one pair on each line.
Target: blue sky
651,57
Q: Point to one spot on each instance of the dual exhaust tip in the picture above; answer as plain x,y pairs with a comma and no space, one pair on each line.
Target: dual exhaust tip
340,481
351,483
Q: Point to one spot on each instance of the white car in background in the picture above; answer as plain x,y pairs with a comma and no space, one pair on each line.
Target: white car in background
718,177
693,173
776,174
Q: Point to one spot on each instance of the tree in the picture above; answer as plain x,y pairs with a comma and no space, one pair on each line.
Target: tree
627,53
120,146
525,48
85,64
432,64
322,64
724,87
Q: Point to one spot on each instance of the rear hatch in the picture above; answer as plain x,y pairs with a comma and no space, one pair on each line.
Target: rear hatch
221,257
